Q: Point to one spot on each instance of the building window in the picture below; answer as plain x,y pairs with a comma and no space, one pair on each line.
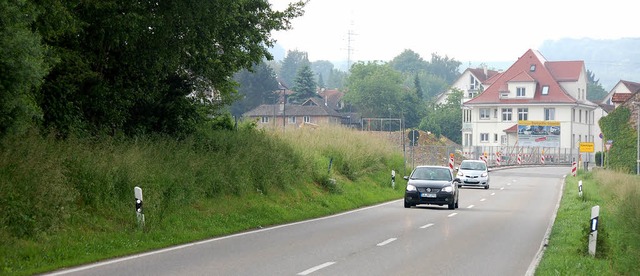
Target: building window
523,114
466,115
495,113
532,68
467,140
264,119
503,139
485,113
506,114
520,92
292,119
549,114
545,90
484,137
580,116
495,138
307,119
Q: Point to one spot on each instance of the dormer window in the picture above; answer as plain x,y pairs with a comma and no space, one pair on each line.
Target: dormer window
545,90
532,68
520,92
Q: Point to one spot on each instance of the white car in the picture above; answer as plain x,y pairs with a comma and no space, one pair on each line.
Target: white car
473,173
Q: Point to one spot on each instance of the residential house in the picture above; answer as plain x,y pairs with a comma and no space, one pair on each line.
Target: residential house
621,92
535,103
312,112
471,82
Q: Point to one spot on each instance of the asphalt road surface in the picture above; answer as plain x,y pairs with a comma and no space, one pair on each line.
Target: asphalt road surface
499,231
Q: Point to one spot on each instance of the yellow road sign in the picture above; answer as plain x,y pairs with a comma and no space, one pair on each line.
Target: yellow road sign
586,146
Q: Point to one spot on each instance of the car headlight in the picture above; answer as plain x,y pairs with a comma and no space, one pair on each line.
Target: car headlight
484,174
448,189
411,188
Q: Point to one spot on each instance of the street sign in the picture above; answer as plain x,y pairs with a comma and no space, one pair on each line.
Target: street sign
587,147
414,135
601,136
608,146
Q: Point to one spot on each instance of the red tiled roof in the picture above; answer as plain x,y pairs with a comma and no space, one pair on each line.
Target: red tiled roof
492,79
621,97
542,75
523,76
480,73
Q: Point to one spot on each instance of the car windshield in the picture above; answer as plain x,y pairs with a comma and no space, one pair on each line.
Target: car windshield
426,173
476,166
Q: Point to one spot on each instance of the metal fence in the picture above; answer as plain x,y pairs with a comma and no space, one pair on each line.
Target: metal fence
495,156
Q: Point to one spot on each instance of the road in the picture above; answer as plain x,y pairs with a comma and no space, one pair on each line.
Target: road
494,232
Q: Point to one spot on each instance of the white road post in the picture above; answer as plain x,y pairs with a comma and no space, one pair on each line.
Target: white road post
139,212
393,179
580,188
593,232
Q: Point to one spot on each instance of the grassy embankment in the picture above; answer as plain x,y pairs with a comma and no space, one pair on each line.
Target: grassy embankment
618,246
65,203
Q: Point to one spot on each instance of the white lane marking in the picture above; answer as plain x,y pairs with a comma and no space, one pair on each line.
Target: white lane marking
91,266
470,206
508,184
493,194
316,268
483,199
387,242
426,226
452,215
501,188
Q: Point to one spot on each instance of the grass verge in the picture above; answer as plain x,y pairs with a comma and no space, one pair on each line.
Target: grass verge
618,244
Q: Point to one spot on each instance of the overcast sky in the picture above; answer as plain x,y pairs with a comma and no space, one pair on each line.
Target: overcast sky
467,30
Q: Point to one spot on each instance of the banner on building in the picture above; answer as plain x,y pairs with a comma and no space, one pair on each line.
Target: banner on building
539,133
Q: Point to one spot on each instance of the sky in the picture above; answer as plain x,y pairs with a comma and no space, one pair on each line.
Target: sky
466,30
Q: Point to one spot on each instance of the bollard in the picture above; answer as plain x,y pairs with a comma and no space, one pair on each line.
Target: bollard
593,231
580,188
139,211
393,179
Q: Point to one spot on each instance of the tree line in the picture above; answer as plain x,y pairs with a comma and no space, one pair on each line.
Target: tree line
128,67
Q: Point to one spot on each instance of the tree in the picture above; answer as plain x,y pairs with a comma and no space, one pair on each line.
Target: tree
256,87
409,62
22,66
336,79
322,69
445,119
292,64
444,67
418,87
595,91
147,66
374,89
304,85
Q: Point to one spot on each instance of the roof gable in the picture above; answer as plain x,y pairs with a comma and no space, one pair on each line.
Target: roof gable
529,67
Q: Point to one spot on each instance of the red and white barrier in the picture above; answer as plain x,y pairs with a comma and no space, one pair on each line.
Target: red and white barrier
519,159
542,159
451,161
498,158
574,168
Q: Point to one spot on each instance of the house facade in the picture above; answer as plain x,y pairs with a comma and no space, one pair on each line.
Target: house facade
621,92
472,81
536,105
313,112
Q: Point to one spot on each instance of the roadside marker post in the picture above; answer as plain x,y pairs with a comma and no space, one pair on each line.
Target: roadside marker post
498,160
139,211
574,168
580,188
593,231
451,161
519,159
393,179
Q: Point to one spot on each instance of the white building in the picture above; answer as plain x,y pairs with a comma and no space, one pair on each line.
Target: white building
472,82
534,104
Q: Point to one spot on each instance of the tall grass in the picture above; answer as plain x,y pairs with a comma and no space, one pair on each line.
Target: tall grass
69,202
618,245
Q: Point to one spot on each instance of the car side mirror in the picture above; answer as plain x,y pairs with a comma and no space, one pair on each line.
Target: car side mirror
406,177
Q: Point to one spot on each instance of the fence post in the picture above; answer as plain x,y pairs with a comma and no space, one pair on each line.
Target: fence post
593,232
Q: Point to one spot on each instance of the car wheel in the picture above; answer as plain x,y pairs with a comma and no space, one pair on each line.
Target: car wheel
486,187
451,206
406,204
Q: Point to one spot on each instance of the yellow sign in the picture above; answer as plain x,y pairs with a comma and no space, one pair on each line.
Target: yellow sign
586,147
539,123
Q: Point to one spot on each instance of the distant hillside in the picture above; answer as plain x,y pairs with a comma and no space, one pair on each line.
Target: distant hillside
609,60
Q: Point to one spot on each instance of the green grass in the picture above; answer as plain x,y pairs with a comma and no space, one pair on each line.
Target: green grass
65,203
618,245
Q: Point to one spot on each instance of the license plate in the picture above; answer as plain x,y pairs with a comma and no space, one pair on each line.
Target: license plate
428,195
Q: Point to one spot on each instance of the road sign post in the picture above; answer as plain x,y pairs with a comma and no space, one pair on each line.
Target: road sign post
393,179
